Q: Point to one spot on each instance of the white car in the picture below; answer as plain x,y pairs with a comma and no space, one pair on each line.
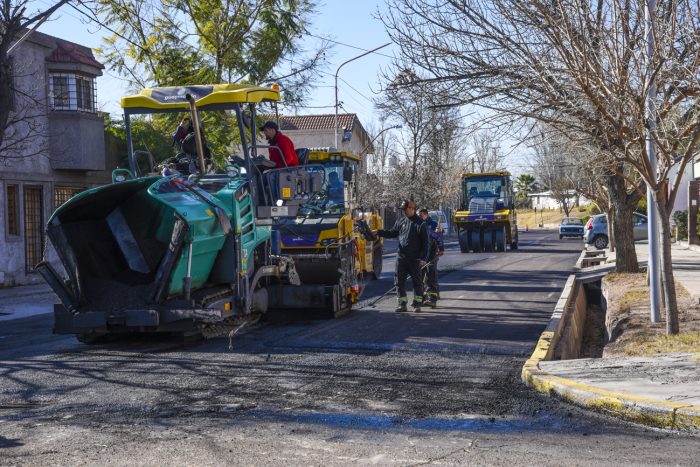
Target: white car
441,219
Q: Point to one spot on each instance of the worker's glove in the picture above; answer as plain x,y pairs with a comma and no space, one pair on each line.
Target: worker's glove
422,263
440,253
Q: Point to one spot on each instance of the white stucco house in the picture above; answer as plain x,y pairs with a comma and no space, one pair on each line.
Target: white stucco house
545,200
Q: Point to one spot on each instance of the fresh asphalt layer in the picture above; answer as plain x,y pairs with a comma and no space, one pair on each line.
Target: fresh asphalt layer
441,386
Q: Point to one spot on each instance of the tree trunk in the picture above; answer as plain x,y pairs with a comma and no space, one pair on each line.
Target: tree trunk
610,213
626,256
668,282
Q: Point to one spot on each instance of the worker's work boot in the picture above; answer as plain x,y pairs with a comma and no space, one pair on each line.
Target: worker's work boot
427,301
401,308
416,305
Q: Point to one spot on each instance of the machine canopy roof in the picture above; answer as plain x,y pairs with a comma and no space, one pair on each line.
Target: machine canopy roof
207,97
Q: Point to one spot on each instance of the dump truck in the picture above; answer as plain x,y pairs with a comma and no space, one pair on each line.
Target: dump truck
324,230
486,219
183,251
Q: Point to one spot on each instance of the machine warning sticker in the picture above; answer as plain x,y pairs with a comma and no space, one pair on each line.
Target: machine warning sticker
177,94
286,192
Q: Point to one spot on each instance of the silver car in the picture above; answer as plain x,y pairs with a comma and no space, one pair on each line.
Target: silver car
441,219
596,230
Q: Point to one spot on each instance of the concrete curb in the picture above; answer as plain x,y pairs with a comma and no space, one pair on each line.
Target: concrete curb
651,412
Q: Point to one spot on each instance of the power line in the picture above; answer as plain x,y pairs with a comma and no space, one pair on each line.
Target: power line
347,45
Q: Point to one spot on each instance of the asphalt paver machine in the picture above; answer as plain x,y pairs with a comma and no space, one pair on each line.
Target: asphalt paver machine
180,253
486,220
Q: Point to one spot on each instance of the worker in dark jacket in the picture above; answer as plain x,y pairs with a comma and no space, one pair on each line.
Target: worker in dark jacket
282,153
414,248
437,249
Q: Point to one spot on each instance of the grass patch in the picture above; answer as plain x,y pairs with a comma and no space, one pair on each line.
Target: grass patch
532,219
633,297
651,344
638,279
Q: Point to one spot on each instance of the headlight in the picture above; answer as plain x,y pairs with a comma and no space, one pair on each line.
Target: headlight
328,241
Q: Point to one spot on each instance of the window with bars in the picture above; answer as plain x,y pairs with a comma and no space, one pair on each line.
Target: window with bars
70,91
12,210
33,226
61,194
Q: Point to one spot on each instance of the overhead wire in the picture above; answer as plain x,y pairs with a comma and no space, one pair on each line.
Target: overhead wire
347,45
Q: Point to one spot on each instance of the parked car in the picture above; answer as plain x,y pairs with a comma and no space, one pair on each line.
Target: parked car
441,219
571,227
596,230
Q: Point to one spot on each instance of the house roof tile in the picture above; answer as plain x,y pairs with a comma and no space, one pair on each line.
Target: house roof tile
67,52
316,122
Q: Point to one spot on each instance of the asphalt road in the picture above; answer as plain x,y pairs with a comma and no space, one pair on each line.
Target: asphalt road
376,387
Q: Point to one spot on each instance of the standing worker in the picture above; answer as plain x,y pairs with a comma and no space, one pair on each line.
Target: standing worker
437,249
414,248
288,156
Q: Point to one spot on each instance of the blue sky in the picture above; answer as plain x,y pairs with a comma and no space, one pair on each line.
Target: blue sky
352,24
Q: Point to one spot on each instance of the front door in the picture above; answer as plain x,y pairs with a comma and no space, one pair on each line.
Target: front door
33,226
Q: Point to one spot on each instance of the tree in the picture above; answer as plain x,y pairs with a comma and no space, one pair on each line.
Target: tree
411,107
165,42
487,155
580,67
525,184
19,110
554,169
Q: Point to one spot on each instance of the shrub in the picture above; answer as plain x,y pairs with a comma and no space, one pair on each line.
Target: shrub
680,219
642,206
593,210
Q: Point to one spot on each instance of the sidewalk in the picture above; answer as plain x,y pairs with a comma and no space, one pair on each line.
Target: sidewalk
26,300
661,391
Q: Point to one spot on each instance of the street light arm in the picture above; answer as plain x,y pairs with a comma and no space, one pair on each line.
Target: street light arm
395,127
336,84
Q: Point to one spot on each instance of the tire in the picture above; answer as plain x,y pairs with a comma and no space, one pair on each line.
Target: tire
377,262
463,239
488,244
91,338
560,237
501,239
600,242
476,241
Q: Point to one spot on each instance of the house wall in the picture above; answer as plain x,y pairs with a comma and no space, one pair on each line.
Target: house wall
681,201
67,136
544,201
358,143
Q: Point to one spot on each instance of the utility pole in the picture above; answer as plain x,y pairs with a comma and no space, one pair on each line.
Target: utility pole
653,221
336,85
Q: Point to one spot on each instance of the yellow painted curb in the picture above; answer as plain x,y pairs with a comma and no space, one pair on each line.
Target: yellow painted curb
638,409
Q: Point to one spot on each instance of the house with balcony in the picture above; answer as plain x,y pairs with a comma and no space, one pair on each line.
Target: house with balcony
314,131
54,147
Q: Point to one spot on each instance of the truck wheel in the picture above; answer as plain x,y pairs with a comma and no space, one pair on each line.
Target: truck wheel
560,237
377,262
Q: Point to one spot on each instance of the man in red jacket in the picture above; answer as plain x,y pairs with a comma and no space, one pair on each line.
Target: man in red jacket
276,138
